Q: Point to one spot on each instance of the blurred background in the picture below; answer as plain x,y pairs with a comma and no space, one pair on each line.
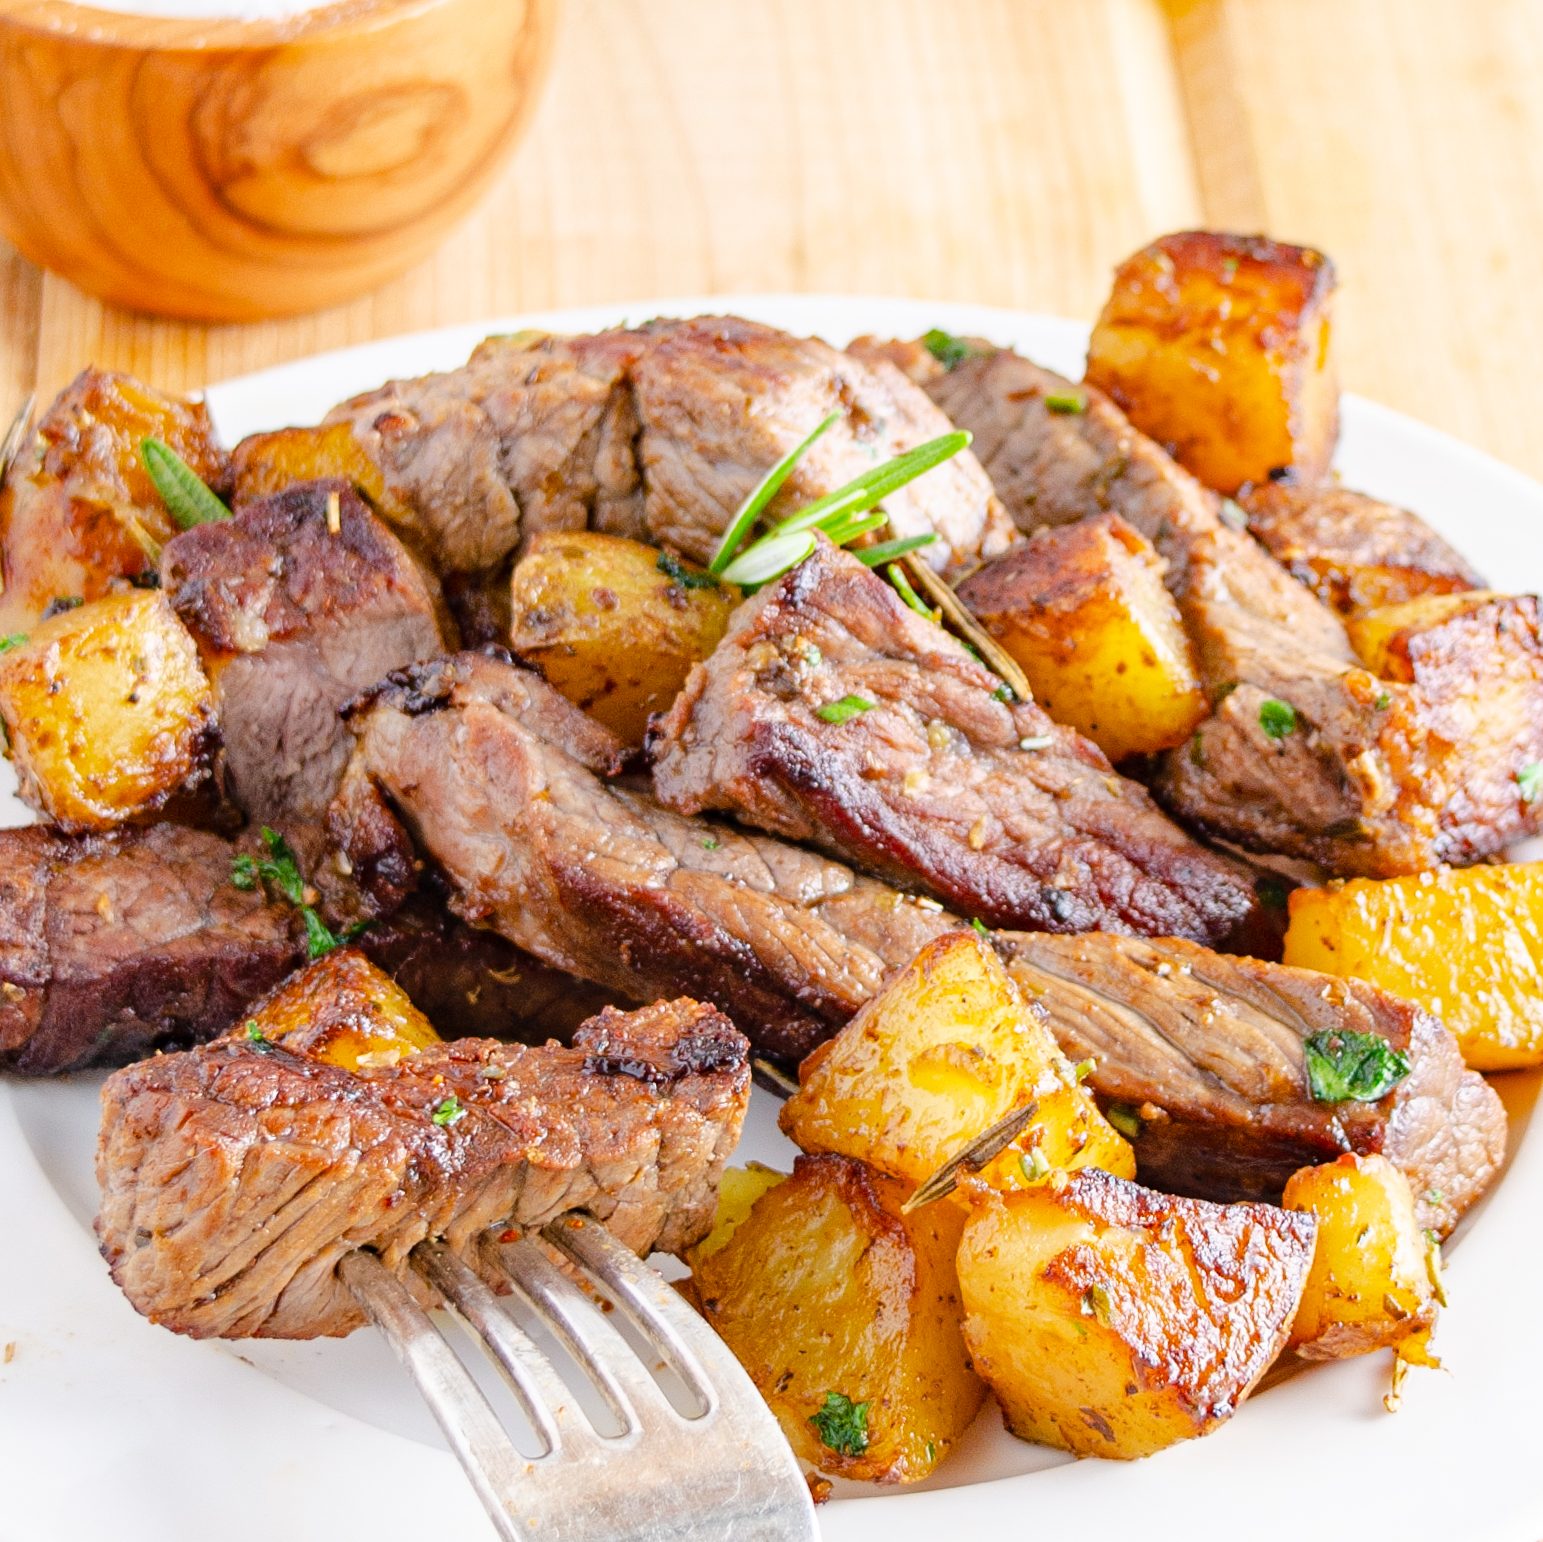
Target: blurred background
1002,151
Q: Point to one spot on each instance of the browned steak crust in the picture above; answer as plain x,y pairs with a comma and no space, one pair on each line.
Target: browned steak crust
658,432
235,1176
494,775
936,782
1209,1051
112,946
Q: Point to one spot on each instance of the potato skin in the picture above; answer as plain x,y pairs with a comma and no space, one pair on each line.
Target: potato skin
1114,1321
1083,610
1217,346
108,711
78,511
343,1011
614,624
826,1287
947,1050
1467,944
1371,1284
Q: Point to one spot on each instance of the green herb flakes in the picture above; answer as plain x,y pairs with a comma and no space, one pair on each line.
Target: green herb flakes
948,350
1277,718
711,843
1034,1164
1095,1303
980,926
1071,403
447,1111
1529,781
279,873
842,1425
1272,891
12,640
845,710
1383,702
1125,1119
1083,1069
688,578
1345,1066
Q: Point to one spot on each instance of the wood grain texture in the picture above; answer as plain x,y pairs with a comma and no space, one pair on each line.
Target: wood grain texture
1008,151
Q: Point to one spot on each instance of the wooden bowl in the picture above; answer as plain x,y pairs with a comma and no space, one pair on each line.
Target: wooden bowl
233,170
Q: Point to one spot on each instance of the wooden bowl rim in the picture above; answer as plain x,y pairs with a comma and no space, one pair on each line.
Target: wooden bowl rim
89,26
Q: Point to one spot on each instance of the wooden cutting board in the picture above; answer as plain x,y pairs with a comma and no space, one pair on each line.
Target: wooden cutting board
1007,151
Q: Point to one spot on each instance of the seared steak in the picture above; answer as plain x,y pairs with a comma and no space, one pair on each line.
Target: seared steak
233,1179
291,619
495,776
833,714
1353,552
1365,779
657,433
112,946
1208,1051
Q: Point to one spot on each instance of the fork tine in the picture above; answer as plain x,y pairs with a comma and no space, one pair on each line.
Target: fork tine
540,1393
603,1354
455,1400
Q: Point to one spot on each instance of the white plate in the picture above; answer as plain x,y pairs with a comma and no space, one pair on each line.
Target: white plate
110,1427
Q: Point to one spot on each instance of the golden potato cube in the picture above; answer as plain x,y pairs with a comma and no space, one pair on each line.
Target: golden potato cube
1465,944
613,624
1083,610
107,710
1217,346
1113,1321
738,1190
845,1313
947,1050
1373,1282
342,1011
264,464
78,511
1396,642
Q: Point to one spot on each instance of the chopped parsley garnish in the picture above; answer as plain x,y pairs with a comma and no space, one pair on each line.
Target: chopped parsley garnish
1383,701
447,1111
948,350
842,1425
689,578
1083,1069
711,843
1277,718
845,710
280,874
12,640
1346,1066
1035,1164
1003,693
1070,402
980,926
1125,1119
1095,1303
1529,781
896,575
188,499
256,1037
1271,891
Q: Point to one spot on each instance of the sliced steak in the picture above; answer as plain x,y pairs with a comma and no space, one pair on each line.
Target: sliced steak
234,1180
1352,551
659,433
113,946
495,777
1208,1052
833,714
292,618
1365,781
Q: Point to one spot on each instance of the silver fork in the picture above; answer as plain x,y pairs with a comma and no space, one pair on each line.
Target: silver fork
722,1470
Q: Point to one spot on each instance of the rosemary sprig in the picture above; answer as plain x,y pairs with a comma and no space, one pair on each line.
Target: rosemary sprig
755,505
187,497
889,551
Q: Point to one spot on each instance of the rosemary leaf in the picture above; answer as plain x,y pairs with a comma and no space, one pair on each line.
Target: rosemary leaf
873,486
887,551
189,501
755,505
769,558
896,575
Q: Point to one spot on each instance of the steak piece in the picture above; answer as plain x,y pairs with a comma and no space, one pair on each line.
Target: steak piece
1366,779
112,946
292,619
833,714
1209,1051
234,1177
1353,552
497,778
658,433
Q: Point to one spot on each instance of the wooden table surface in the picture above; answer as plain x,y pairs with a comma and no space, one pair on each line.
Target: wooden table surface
1004,151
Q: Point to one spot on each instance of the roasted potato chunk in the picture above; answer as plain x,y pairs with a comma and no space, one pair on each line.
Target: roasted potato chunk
1113,1321
1373,1282
108,711
1083,610
738,1190
78,511
1218,347
613,624
1465,944
342,1011
845,1312
1411,641
265,464
945,1052
1354,553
